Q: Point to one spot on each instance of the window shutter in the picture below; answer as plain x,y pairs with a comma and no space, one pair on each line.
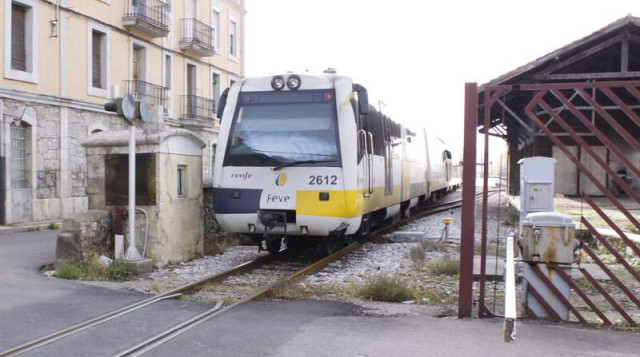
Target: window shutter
18,38
96,43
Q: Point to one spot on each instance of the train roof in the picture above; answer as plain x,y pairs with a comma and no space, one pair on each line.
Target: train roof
308,81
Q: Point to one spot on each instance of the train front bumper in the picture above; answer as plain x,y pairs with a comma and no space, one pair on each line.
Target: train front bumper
304,225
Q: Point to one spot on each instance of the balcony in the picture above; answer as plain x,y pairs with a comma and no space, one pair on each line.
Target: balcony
197,37
148,16
153,93
197,111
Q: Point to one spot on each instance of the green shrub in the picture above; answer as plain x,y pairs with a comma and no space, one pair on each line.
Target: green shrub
120,270
386,288
68,271
53,226
445,266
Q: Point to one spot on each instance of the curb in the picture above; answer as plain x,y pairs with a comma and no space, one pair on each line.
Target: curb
28,227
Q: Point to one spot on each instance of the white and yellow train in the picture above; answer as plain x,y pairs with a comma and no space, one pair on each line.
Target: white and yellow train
305,157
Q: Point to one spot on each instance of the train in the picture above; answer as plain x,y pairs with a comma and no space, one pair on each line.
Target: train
307,158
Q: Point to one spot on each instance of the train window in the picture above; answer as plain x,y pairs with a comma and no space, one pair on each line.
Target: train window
446,155
273,129
375,124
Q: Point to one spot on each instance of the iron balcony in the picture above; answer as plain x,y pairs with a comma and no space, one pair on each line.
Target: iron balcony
147,16
197,111
197,37
154,94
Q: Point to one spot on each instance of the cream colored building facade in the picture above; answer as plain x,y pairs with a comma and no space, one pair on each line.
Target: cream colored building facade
63,59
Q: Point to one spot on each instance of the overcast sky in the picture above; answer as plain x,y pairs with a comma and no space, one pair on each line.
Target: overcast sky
415,56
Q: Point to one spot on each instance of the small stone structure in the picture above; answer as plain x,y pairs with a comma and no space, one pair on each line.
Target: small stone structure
84,234
168,186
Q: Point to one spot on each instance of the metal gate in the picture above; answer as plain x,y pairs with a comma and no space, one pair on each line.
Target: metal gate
578,119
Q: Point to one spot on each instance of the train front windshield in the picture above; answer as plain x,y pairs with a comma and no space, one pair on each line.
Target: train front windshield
284,128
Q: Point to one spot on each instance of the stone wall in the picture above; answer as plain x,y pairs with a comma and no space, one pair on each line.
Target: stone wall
57,161
85,235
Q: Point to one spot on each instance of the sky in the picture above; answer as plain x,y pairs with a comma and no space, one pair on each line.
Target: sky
415,56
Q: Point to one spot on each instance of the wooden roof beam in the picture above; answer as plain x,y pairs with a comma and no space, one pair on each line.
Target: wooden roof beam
584,54
587,76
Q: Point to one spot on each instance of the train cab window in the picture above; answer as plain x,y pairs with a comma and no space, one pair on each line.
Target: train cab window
273,128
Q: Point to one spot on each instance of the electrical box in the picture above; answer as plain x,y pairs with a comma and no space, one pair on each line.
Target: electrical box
548,237
537,185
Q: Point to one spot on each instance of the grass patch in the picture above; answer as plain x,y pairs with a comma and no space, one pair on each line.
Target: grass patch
447,266
492,250
386,288
53,226
512,218
431,245
68,271
90,269
417,255
119,270
31,229
434,296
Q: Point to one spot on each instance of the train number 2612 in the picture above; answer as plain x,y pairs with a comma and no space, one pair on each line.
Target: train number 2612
323,180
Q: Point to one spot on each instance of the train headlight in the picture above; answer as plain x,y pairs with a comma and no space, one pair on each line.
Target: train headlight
277,82
294,82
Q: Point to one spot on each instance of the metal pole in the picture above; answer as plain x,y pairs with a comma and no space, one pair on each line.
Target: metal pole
132,251
510,313
465,294
485,188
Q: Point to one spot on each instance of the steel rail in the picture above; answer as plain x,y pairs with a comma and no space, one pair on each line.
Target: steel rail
251,265
44,340
183,327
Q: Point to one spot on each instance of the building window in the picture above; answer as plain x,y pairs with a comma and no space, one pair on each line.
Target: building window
97,58
99,61
21,51
182,181
18,38
19,163
167,71
233,46
215,25
215,83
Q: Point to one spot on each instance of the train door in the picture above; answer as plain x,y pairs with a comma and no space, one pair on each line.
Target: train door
365,152
446,158
388,155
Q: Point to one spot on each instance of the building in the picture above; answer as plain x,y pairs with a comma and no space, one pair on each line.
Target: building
594,120
63,59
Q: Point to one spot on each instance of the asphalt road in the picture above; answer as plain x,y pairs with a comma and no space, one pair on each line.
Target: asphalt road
33,305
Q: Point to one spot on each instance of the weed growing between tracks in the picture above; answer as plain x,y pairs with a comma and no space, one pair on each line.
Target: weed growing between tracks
387,288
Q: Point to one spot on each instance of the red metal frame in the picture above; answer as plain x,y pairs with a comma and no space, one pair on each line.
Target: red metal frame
565,94
465,293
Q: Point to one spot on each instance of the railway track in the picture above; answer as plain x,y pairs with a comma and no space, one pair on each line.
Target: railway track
194,321
218,309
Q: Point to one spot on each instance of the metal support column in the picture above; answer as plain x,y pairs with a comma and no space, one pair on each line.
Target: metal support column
465,294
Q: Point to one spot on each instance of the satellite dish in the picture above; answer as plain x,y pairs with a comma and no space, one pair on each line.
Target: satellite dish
128,107
142,110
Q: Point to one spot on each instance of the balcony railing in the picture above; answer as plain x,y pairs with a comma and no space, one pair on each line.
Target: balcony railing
148,16
154,94
197,109
197,37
